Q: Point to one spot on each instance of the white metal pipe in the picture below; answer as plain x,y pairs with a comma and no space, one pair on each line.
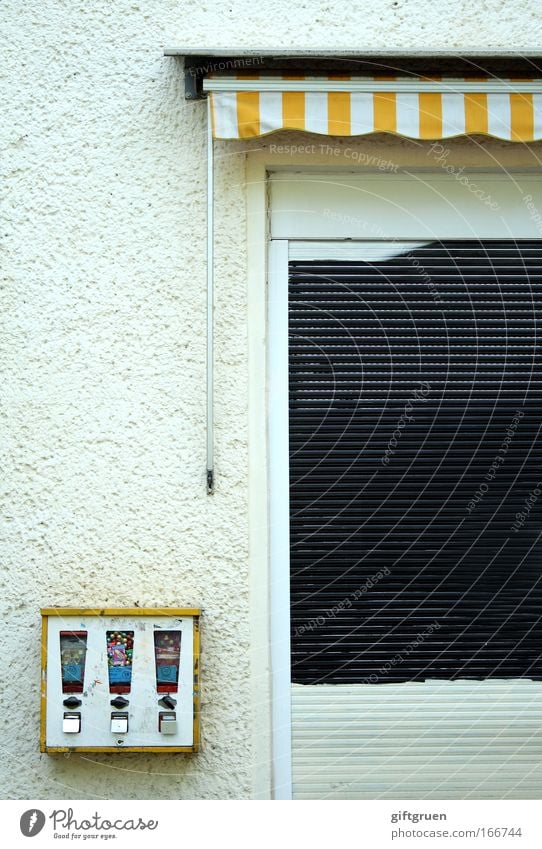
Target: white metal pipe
210,303
457,86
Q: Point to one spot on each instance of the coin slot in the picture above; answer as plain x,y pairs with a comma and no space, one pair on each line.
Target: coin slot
119,722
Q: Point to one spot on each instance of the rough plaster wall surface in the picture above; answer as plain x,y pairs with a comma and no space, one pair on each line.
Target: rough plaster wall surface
104,500
382,25
104,349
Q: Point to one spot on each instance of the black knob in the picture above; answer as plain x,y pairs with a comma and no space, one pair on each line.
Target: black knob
72,702
120,702
168,702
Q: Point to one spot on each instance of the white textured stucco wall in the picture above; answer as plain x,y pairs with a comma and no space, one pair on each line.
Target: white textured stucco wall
104,350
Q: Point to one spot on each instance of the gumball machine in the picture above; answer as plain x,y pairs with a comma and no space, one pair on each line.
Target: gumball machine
120,680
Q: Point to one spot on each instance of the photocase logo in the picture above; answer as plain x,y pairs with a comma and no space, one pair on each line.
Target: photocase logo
32,822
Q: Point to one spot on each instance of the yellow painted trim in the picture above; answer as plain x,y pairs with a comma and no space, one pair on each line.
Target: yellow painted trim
43,685
196,650
120,611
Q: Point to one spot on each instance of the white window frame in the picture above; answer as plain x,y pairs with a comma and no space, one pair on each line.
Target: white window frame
296,241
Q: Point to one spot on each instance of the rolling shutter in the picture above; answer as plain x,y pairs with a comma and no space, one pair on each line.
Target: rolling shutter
415,471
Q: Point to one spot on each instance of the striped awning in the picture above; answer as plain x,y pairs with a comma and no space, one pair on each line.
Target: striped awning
247,106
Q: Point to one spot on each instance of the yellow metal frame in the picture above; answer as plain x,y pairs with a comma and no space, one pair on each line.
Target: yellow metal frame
194,612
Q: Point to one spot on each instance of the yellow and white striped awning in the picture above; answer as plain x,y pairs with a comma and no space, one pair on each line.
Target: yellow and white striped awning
247,106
